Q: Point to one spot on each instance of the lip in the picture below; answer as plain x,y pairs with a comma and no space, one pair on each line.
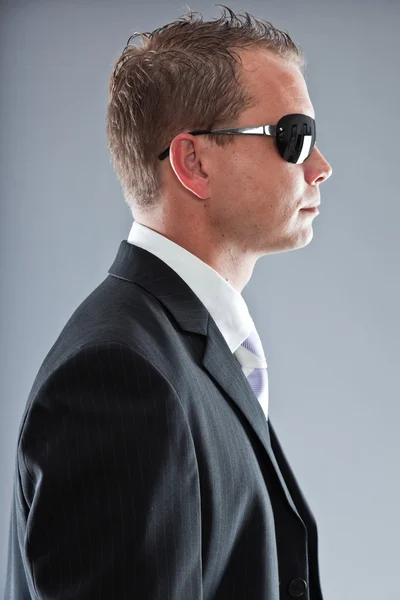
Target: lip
314,210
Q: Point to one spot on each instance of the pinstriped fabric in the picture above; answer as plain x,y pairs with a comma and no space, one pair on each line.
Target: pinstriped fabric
138,471
251,356
106,444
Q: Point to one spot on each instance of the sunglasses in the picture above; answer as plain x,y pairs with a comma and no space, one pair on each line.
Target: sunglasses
294,134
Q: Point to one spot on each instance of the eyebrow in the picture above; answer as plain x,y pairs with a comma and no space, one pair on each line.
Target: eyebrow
301,98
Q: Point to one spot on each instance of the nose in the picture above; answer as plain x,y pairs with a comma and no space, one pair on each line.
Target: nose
320,169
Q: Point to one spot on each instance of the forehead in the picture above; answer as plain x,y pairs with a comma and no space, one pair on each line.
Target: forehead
277,86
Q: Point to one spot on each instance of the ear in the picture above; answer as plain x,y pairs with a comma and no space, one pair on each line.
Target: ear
186,155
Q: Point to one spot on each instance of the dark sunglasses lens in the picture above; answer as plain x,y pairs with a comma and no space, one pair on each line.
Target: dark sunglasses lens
295,137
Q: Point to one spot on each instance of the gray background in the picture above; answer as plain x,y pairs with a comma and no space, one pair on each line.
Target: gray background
328,315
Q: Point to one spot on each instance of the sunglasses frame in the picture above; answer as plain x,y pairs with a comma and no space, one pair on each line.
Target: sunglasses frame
283,133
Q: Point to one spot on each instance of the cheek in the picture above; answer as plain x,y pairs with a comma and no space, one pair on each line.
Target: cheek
266,181
291,184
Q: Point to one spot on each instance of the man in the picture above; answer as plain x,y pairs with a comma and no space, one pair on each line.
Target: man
147,466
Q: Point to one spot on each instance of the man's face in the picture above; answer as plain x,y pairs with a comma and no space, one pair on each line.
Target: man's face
260,194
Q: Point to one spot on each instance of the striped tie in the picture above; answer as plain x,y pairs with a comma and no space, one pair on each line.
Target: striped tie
250,355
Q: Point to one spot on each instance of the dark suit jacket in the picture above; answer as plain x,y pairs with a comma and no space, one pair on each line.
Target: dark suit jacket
145,466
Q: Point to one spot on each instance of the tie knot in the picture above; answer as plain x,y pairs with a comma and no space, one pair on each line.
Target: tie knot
253,344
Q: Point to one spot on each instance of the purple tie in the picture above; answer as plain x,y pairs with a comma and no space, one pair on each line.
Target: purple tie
254,366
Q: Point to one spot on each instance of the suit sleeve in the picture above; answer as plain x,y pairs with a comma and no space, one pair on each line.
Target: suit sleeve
109,473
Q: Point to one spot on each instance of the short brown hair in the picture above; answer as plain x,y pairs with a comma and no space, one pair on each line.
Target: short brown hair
184,77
